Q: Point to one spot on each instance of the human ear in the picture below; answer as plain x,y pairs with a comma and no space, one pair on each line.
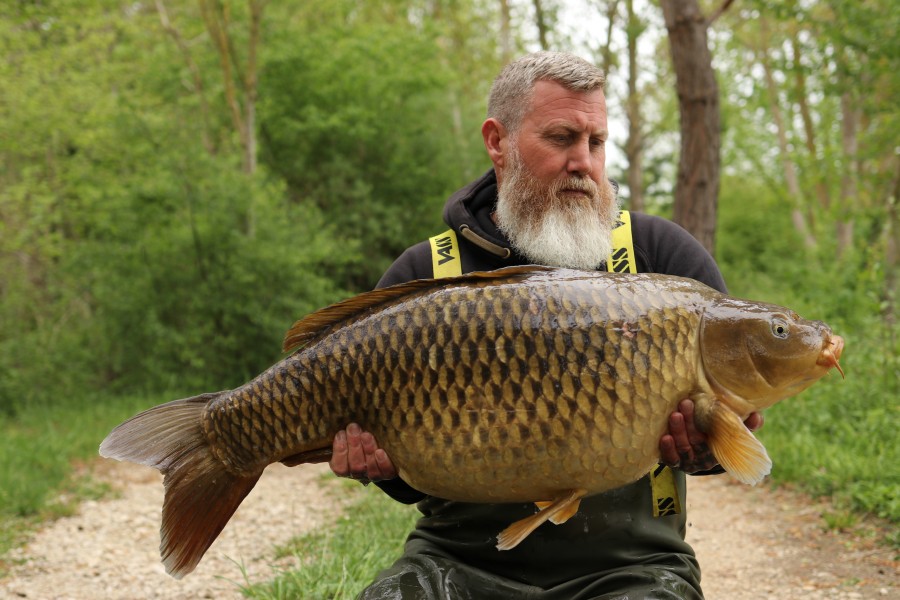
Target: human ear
495,141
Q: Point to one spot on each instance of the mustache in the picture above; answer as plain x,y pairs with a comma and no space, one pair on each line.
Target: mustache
581,184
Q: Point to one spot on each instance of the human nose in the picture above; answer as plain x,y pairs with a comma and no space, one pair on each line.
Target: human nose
580,161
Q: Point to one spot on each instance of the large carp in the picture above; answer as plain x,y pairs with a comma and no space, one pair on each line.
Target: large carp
523,384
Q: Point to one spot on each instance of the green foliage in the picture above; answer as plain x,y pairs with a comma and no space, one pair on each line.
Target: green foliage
214,285
138,252
139,258
338,562
368,134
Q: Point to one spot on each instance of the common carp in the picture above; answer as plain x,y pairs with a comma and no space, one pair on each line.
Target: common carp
523,384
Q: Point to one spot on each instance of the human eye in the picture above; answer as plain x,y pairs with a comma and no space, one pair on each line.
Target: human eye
560,139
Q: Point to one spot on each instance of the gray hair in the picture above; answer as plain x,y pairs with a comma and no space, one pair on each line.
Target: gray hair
513,88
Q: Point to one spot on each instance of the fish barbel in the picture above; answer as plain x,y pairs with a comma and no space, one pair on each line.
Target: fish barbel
523,384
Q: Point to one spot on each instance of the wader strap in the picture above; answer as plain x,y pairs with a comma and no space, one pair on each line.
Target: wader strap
445,260
665,496
622,260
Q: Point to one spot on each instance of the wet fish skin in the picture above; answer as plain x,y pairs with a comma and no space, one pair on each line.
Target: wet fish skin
526,384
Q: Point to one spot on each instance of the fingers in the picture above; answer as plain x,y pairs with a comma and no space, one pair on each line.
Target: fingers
755,421
356,454
684,432
339,463
383,468
684,445
667,452
675,446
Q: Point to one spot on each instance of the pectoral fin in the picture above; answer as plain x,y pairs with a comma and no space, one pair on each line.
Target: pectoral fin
736,449
557,511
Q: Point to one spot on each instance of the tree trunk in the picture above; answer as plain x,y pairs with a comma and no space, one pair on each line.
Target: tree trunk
251,84
697,188
541,22
849,189
606,55
506,45
808,125
241,100
795,193
634,145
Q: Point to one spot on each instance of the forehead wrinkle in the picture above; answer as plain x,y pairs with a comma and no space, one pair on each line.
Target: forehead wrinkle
554,92
551,105
565,125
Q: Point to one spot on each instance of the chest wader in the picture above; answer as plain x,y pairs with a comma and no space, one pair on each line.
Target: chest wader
434,570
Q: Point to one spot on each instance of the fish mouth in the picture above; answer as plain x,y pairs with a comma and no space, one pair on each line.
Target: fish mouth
831,353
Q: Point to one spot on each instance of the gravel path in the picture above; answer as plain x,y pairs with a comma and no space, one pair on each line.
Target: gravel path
753,543
110,550
756,543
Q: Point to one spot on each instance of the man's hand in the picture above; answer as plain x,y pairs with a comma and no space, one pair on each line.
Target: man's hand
684,446
355,454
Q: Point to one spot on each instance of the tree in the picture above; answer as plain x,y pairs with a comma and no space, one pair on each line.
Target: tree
634,146
697,187
540,20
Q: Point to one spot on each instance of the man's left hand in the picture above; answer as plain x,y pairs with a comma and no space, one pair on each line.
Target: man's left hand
684,446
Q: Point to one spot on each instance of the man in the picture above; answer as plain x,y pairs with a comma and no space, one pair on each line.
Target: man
547,200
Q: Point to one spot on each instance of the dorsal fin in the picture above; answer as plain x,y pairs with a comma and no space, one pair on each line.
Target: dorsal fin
315,324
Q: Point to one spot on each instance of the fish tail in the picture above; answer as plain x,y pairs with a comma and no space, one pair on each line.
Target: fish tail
201,494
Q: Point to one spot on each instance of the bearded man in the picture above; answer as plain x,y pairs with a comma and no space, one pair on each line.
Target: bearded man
547,200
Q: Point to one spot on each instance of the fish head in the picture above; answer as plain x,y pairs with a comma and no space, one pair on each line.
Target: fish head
756,354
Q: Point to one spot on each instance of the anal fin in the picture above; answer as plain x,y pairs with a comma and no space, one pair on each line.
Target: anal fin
563,515
735,447
556,511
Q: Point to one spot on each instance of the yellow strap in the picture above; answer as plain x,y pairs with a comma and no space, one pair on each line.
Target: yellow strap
621,259
665,496
445,260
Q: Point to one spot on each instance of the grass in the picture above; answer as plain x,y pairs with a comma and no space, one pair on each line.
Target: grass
337,562
44,456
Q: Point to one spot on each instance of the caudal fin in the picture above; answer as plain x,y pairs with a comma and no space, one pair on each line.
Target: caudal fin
200,493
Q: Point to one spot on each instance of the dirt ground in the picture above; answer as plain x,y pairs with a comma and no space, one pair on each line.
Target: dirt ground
752,543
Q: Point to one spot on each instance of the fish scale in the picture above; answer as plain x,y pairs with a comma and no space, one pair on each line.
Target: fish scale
523,384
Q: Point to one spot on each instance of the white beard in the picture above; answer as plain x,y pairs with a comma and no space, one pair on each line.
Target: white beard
571,231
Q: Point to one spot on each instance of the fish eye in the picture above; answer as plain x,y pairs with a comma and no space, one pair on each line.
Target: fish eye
780,328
